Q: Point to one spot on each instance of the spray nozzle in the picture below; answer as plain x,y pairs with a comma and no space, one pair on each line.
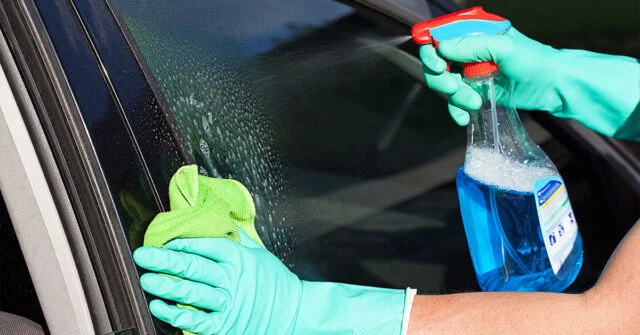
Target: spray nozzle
472,21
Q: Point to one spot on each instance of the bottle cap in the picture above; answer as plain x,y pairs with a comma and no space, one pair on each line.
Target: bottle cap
479,68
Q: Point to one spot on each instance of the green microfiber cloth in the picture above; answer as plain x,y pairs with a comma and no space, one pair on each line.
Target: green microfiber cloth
203,207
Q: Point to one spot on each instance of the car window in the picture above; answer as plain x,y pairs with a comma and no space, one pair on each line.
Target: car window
313,108
320,109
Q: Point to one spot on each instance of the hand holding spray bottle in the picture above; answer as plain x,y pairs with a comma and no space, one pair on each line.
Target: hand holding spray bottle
520,226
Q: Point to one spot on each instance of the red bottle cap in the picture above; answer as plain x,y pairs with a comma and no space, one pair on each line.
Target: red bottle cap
479,69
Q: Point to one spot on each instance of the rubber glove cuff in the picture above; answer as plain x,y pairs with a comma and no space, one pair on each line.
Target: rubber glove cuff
352,309
600,91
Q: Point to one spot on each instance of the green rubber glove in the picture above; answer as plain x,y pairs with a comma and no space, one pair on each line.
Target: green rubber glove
600,91
245,290
204,207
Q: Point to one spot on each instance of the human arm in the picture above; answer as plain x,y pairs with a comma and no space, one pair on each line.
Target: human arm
600,91
610,307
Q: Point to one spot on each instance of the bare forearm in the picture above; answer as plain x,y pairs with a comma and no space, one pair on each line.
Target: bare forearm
496,313
610,307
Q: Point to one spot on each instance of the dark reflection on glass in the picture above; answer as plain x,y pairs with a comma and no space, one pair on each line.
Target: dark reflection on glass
235,29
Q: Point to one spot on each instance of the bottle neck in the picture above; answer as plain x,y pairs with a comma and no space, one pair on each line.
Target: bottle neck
496,127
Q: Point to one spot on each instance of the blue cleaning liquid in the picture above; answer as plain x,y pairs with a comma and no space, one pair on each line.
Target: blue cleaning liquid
505,240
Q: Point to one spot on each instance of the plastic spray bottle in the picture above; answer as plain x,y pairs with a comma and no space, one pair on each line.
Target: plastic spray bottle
520,226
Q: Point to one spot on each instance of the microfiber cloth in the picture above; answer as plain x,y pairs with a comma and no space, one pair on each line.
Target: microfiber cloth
203,207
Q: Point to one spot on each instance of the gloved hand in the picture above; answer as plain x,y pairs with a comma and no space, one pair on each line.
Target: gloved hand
247,290
600,91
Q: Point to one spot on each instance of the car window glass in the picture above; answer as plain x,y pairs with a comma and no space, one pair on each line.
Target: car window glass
317,108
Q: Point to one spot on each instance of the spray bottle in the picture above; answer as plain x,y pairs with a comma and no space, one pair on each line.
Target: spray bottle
520,226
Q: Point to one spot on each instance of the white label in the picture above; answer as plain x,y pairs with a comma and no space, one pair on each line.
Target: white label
557,223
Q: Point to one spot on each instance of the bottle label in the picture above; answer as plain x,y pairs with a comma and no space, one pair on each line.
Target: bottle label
557,222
